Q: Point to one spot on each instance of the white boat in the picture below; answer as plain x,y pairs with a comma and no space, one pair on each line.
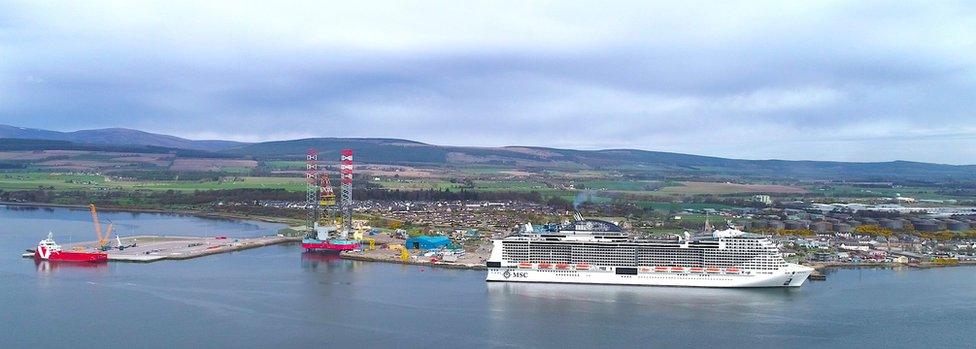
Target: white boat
599,252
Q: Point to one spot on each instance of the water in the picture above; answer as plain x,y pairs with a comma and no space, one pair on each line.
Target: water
277,297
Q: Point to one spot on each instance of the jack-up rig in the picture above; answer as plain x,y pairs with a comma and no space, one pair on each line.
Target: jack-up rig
319,198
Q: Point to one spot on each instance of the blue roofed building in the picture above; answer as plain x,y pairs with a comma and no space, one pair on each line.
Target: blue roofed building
425,242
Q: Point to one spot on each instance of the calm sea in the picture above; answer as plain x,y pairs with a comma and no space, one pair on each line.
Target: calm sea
278,297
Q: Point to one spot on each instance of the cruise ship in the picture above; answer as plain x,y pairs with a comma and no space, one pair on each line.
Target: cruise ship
590,251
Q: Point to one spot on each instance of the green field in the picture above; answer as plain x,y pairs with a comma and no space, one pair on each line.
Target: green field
37,180
416,184
669,206
847,191
34,180
479,185
509,185
284,165
617,185
720,188
289,184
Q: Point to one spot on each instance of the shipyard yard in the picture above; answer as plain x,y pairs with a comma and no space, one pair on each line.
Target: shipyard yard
387,248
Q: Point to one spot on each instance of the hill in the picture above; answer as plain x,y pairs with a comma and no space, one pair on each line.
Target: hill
115,136
16,144
638,163
628,162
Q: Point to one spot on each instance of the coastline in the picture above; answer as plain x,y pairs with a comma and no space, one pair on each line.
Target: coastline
288,221
196,213
429,264
819,267
923,265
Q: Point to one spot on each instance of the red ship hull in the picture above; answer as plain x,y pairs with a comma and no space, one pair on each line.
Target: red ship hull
325,246
72,256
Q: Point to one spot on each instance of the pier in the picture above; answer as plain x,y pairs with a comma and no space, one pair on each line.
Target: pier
152,248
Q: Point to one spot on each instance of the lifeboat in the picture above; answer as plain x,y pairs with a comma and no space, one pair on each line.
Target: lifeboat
582,266
711,270
525,265
562,266
545,265
696,270
732,271
677,269
660,269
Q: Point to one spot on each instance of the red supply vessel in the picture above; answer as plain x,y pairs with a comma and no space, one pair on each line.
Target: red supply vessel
48,250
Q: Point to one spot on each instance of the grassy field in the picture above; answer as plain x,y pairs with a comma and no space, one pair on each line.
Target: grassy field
480,170
847,191
479,185
34,180
616,185
285,165
416,184
512,185
37,180
695,188
290,184
668,206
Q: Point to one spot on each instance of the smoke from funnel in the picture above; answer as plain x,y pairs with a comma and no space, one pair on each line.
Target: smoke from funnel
581,197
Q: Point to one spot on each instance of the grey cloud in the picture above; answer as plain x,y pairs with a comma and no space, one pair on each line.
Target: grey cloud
846,79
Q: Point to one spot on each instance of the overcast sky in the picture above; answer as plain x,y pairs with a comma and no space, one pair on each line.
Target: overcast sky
822,80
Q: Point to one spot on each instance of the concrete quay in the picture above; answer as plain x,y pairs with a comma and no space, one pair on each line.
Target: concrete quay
151,248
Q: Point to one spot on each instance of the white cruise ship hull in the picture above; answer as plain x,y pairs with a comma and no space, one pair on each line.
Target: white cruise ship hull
597,252
792,276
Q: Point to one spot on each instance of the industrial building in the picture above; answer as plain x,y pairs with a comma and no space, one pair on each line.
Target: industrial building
425,242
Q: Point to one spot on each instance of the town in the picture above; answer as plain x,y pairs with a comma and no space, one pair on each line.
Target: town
810,233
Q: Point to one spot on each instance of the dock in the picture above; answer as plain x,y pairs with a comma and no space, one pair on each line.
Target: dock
817,276
152,248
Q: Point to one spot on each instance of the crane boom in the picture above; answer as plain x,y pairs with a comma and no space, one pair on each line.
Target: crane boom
108,234
98,225
102,240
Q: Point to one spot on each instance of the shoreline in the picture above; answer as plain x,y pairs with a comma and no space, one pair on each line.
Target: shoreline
429,264
923,265
819,267
195,213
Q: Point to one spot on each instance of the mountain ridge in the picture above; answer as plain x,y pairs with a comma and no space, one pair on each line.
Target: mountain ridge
632,162
115,136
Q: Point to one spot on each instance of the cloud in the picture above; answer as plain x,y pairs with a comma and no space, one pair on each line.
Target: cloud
865,81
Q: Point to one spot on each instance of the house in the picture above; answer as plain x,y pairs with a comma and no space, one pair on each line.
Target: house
858,247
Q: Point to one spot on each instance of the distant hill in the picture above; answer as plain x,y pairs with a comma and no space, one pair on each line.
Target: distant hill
628,161
631,162
115,136
16,144
377,150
